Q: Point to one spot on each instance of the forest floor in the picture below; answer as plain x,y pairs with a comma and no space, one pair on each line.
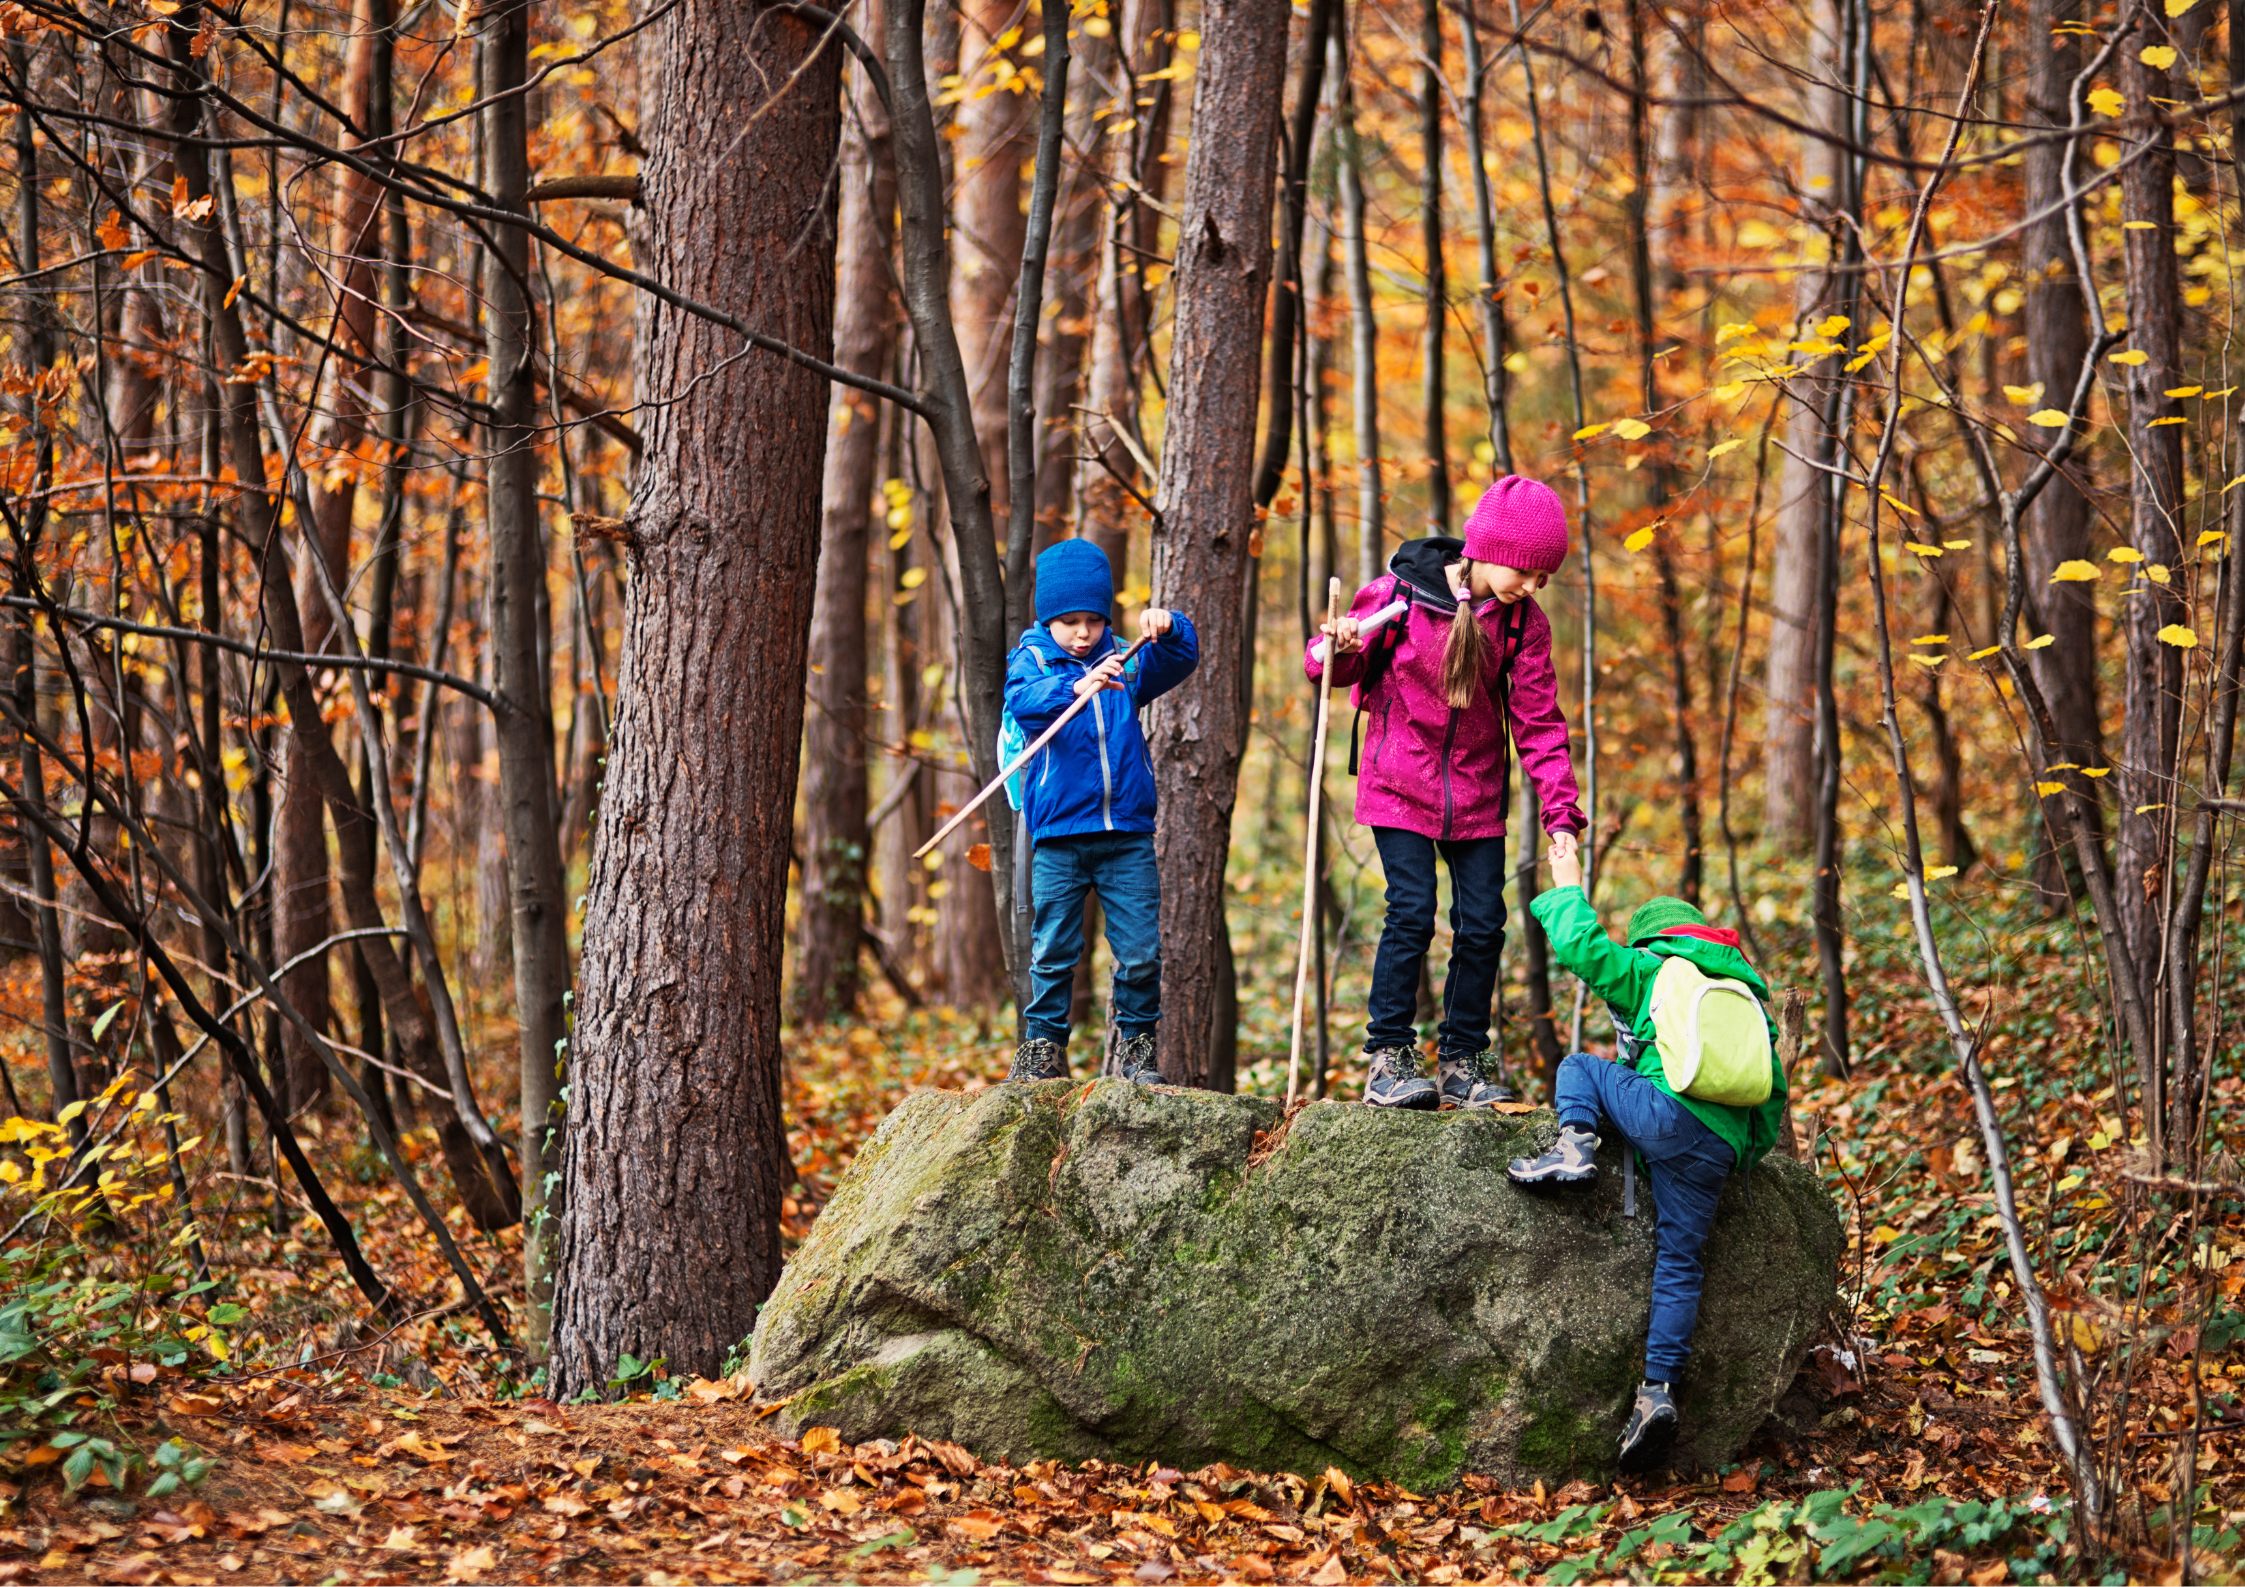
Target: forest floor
1914,1451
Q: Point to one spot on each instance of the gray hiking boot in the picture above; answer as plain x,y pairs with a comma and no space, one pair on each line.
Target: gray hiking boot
1135,1059
1472,1082
1395,1080
1039,1058
1569,1165
1651,1432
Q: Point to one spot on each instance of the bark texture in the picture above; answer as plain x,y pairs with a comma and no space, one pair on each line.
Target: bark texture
1205,502
677,1153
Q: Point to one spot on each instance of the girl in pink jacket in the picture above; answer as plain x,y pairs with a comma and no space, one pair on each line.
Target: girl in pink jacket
1436,691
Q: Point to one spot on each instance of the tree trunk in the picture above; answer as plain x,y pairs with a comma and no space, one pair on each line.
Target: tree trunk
1364,329
1796,575
2154,677
1438,286
678,1154
1205,501
522,663
835,840
2057,327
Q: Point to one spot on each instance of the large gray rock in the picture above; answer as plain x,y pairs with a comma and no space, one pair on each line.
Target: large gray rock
1099,1270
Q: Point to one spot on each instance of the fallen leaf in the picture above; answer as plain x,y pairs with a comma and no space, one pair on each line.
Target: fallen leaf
470,1563
1332,1573
841,1501
401,1537
568,1504
820,1440
979,1525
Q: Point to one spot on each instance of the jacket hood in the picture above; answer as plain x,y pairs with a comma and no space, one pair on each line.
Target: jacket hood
1038,637
1420,564
1713,958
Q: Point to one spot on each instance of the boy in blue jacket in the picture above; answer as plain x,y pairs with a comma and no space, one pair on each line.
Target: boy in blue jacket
1090,802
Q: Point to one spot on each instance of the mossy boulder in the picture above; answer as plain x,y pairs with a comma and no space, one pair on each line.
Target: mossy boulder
1096,1269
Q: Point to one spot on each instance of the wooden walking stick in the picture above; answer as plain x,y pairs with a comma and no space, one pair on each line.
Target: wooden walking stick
1024,758
1333,610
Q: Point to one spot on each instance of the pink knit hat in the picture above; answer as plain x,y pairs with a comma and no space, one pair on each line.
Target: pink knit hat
1518,523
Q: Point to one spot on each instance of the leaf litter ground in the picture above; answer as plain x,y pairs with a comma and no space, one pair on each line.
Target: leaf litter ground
1912,1448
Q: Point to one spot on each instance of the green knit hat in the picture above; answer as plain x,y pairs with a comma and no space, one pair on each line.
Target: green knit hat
1656,915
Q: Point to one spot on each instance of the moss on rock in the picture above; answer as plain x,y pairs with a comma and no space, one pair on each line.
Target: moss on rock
1081,1269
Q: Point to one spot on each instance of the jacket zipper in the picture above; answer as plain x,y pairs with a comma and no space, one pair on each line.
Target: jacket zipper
1106,778
1449,736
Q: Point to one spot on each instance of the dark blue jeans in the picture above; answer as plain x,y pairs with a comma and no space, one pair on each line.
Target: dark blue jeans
1119,867
1688,1164
1476,939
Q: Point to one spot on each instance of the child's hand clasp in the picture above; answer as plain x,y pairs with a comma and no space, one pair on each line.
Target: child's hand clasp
1107,675
1566,860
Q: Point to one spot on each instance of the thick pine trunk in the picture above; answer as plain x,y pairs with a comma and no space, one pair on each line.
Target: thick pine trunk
678,1155
1201,560
835,842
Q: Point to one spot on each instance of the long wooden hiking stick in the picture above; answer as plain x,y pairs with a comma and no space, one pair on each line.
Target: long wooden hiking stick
1022,759
1333,611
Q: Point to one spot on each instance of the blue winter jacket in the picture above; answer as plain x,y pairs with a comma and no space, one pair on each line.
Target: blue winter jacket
1096,776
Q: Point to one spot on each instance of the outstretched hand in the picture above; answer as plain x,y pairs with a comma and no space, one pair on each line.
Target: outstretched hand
1566,860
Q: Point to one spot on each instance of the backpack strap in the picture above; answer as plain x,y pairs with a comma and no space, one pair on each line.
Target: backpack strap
1508,643
1376,663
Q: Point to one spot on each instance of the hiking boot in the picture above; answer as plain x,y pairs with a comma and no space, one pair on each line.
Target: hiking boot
1472,1082
1651,1432
1569,1165
1395,1080
1039,1058
1135,1060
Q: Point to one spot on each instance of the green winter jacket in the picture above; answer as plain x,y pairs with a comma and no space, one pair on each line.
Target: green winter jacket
1624,978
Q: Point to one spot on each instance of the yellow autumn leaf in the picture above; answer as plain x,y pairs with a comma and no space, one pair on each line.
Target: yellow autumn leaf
2062,765
1930,639
2037,644
2180,637
2173,419
2025,396
1833,325
1921,549
1940,873
1638,541
1930,663
1632,429
2096,771
2212,537
1897,503
2176,8
2184,391
2048,418
1886,1234
2157,56
1958,545
2139,225
1735,328
2046,789
2157,573
2075,572
2133,356
2106,102
1902,889
1983,655
1720,447
2124,554
1589,430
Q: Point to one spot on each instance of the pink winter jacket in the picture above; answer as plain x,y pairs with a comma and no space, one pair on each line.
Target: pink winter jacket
1435,771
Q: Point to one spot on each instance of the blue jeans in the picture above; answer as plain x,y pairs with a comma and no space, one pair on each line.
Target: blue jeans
1688,1164
1119,867
1476,939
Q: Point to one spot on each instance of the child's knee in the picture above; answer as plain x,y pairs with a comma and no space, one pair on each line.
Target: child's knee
1138,969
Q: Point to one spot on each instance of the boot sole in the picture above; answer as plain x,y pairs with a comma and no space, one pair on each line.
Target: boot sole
1417,1104
1651,1452
1546,1184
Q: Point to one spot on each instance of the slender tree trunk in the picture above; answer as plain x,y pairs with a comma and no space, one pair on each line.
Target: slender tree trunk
2152,724
2057,327
1495,378
1438,285
1364,329
522,664
1286,296
1205,503
1797,561
678,1155
835,840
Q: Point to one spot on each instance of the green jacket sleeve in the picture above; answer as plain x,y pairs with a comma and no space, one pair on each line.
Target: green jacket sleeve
1621,976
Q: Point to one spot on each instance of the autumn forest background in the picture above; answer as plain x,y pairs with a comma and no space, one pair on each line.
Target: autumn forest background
514,518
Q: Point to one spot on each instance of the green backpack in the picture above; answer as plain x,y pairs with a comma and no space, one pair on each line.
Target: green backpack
1713,1036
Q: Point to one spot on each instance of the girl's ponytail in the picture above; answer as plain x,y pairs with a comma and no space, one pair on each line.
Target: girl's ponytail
1465,655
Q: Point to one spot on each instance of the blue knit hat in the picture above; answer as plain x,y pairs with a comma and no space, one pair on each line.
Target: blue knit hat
1073,576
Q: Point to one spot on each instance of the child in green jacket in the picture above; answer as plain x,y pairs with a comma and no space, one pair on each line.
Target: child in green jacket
1690,1147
